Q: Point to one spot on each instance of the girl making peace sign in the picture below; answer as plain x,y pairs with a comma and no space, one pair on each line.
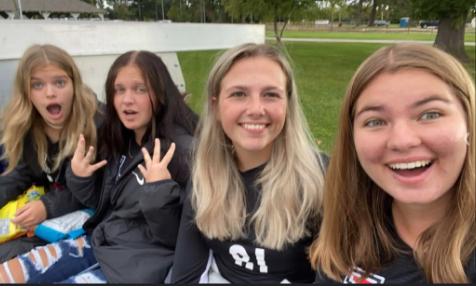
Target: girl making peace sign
137,198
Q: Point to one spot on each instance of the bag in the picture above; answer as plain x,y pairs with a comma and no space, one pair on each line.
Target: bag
64,227
8,230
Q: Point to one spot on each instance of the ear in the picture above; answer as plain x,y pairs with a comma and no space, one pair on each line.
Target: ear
215,108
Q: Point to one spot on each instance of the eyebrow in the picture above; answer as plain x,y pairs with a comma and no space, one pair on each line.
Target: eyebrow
429,99
266,88
414,105
370,108
55,77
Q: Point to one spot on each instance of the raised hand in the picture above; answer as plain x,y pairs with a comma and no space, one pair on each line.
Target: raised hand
30,214
80,164
156,169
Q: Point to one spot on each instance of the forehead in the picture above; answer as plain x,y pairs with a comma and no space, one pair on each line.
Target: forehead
129,72
403,88
254,68
48,70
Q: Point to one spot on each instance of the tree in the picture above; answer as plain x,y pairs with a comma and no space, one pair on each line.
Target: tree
359,13
372,14
452,16
276,10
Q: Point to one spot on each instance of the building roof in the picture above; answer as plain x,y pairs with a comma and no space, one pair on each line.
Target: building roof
72,6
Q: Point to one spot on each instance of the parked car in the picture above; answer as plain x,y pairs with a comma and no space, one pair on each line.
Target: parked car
381,23
428,23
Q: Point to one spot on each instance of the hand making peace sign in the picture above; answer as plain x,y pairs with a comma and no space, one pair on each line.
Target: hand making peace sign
156,169
80,164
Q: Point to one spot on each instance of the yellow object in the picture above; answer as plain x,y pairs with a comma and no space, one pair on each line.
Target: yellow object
9,230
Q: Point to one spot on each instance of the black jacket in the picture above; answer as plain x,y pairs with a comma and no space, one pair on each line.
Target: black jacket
135,227
58,200
241,260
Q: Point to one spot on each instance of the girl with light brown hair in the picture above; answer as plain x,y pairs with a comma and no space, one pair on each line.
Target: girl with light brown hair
49,108
399,196
257,177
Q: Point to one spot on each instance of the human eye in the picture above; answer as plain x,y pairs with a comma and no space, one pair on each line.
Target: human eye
60,82
375,123
141,89
237,94
430,115
36,85
118,90
271,94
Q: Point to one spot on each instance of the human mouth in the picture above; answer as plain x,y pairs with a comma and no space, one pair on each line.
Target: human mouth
54,110
129,114
254,127
412,172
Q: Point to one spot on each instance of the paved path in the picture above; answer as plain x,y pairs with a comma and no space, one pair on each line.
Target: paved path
358,41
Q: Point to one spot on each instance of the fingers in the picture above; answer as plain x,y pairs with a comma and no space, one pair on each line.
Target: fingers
147,159
89,156
142,170
168,156
156,156
79,152
98,165
21,219
22,209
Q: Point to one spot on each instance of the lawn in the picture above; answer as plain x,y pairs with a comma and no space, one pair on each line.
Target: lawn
322,72
469,37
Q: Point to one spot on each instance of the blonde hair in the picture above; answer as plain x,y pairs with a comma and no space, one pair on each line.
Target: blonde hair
20,116
354,231
291,181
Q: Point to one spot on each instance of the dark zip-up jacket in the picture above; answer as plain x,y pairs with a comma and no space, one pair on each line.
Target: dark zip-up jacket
135,227
58,200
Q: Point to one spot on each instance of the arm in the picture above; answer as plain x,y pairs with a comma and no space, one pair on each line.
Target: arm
161,207
60,202
192,252
83,188
16,182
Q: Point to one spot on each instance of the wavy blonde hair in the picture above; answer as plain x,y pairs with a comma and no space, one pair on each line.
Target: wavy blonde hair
20,116
354,230
291,181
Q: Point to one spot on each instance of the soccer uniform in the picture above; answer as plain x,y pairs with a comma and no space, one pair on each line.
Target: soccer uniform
241,260
403,269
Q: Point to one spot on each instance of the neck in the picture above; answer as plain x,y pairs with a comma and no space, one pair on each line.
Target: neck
139,133
247,160
411,220
52,133
57,127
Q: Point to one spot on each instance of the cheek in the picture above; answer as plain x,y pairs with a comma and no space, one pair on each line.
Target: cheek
117,103
369,148
448,143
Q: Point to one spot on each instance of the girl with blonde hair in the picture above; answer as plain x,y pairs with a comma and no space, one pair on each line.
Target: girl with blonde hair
255,195
49,108
399,196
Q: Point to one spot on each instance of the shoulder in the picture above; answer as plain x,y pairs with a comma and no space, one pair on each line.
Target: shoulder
182,139
324,160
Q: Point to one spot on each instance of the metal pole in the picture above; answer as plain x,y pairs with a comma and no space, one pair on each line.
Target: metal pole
163,17
21,12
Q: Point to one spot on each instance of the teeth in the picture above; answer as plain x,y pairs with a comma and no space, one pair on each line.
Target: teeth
254,126
410,165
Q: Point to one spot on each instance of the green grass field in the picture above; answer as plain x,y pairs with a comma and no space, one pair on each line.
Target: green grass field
363,35
322,72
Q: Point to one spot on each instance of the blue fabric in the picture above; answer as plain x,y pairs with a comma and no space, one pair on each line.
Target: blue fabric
64,227
69,262
95,276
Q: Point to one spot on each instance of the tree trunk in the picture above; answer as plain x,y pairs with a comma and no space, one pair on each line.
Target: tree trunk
220,14
359,14
451,39
332,16
372,14
243,18
278,39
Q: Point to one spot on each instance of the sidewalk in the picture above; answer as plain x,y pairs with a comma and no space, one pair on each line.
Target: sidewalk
357,41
